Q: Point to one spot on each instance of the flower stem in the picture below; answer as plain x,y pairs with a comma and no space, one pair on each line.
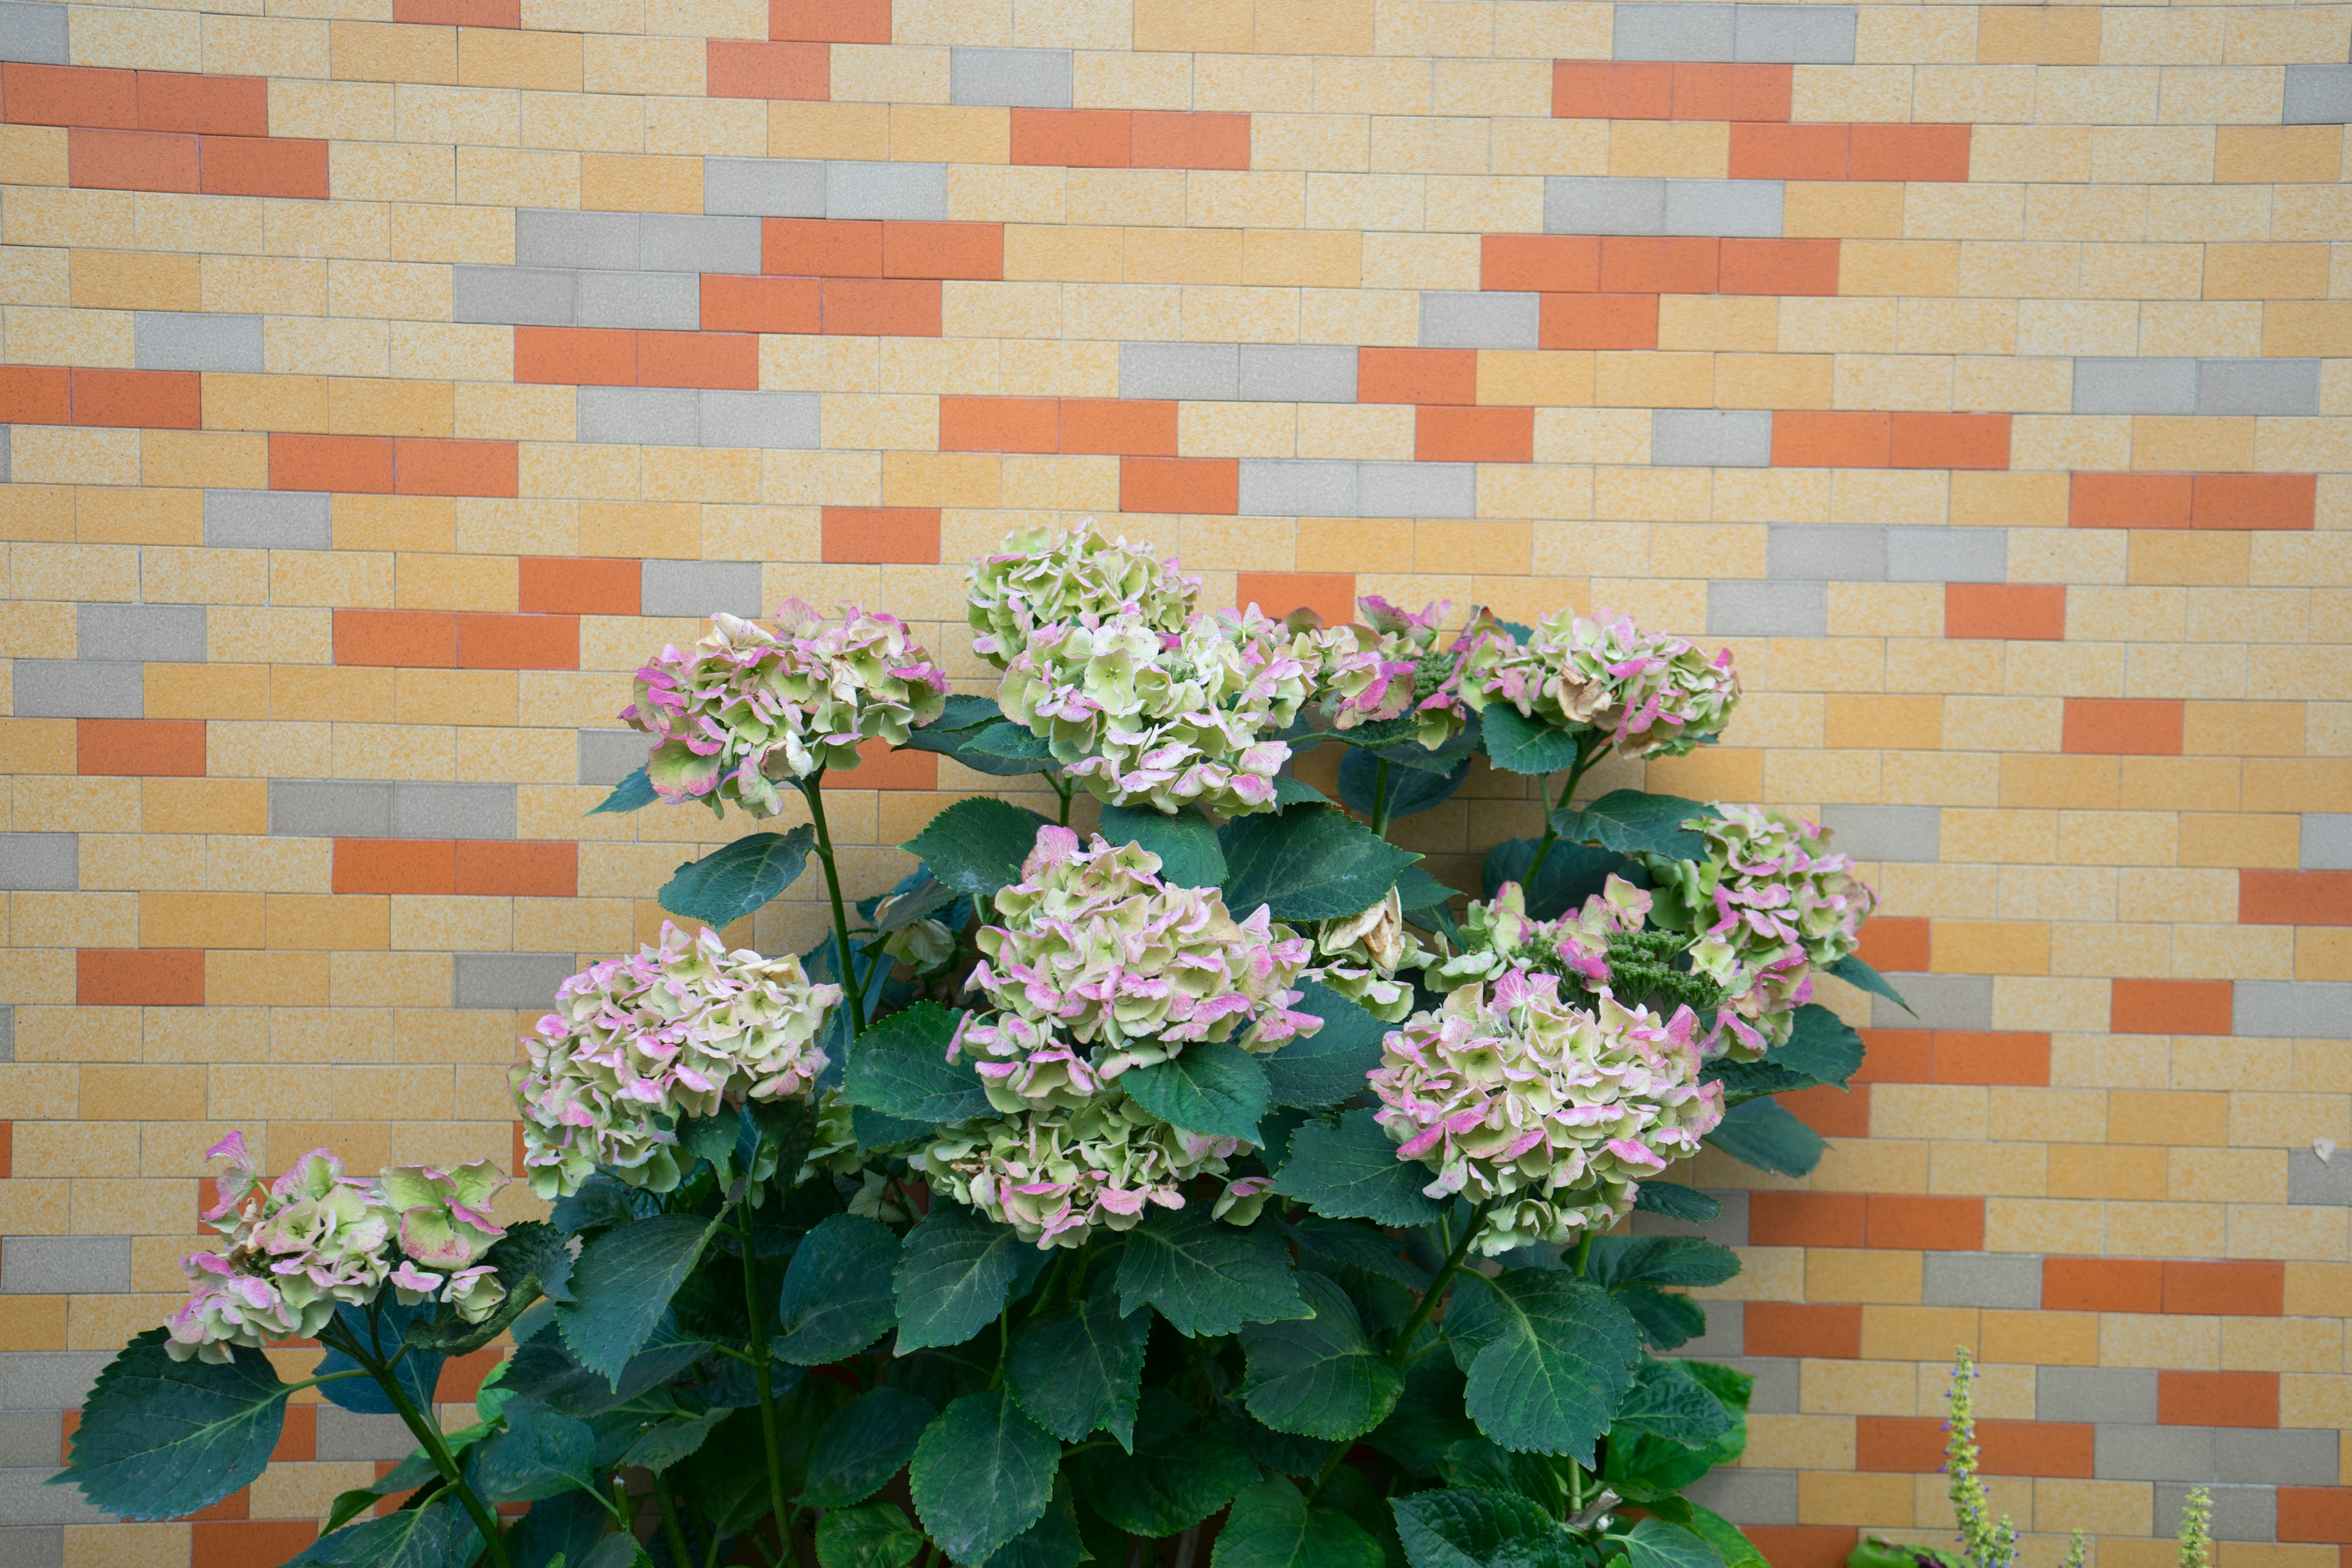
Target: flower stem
758,1324
813,788
1584,760
1436,1292
428,1437
679,1552
1063,789
1381,798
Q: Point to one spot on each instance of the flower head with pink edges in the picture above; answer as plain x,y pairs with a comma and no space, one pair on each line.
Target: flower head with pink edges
1397,671
1652,695
1043,577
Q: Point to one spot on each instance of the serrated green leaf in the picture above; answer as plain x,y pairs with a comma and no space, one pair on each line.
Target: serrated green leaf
559,1530
632,793
1763,1133
1053,1541
1205,1277
1318,1376
1633,822
1547,1358
539,1455
1736,1550
1271,1526
1349,1170
1186,842
736,878
1854,972
866,1443
382,1328
623,1285
1428,1419
879,1535
1472,1526
159,1438
1289,791
1307,862
956,1270
1676,1201
1654,1543
977,845
1009,741
1667,1402
1179,1474
838,1297
438,1536
1665,1320
1519,744
1571,873
983,1474
1411,791
1616,1260
666,1442
1328,1066
900,1067
1080,1370
1820,1045
1212,1088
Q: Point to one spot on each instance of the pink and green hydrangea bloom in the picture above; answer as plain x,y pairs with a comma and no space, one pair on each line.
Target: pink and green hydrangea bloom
1397,665
1366,958
1652,695
1041,578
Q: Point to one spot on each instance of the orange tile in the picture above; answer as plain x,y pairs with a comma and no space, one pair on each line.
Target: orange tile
1206,486
2169,1006
1910,152
1603,90
2017,611
1807,1219
1897,944
943,250
1832,1111
903,535
1915,1444
567,585
1803,1545
149,399
2316,1514
74,95
1449,435
1780,1328
1330,595
1761,151
1949,441
426,865
138,977
1598,321
248,1544
491,869
2102,1284
1926,1223
140,748
2217,1398
820,247
2128,500
1778,267
1733,92
879,767
1417,375
893,308
1118,426
265,166
1551,263
2123,726
1173,139
2254,501
298,1439
36,395
1819,440
2247,1290
724,360
830,21
459,12
356,464
425,465
1634,265
576,356
133,160
741,68
2294,897
733,304
403,639
1000,425
495,641
1990,1056
1073,138
1898,1056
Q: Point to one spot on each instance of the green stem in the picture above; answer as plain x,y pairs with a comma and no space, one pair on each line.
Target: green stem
428,1437
1063,789
1584,760
1381,798
1436,1292
813,788
679,1552
759,1378
1582,1255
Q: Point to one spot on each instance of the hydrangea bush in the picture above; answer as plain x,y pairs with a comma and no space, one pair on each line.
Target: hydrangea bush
1201,1168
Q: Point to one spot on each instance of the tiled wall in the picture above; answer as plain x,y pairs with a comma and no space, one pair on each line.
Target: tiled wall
381,380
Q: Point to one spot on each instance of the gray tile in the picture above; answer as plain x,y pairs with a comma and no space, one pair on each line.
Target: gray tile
160,634
518,980
1937,1002
1650,31
31,1438
329,808
190,340
1417,490
1711,438
1747,1496
1476,319
350,1434
1194,372
1794,35
1744,209
608,756
2134,385
452,810
44,863
1982,1279
7,440
2327,841
1727,1332
764,187
2135,1453
1602,204
1296,487
1728,1228
1905,833
1935,554
692,242
699,587
9,1034
512,295
269,520
886,190
639,417
2284,1459
2240,1514
2310,1009
774,420
65,1265
654,301
2102,1394
1298,373
34,33
1009,78
48,1380
25,1498
2318,95
81,689
2312,1180
33,1545
2281,386
545,237
1766,609
1776,1391
1819,551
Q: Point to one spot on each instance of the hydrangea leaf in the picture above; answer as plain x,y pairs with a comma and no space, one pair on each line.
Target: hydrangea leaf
982,1473
1411,791
1350,1171
1667,1402
1854,972
1328,1066
1180,1473
838,1297
1519,744
1658,1260
1081,1370
1547,1358
438,1535
1763,1133
879,1535
734,879
900,1068
1318,1376
1271,1526
954,1274
540,1453
1471,1527
1186,842
1053,1541
666,1442
1633,822
544,1368
1821,1046
1736,1550
1676,1201
159,1438
1212,1088
1665,1320
632,793
1654,1543
1571,873
976,846
1289,791
1308,863
1205,1277
384,1334
623,1285
866,1443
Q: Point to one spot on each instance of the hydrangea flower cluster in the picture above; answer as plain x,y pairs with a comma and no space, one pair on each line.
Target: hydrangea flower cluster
1498,935
1363,957
316,1239
1143,716
1396,669
1057,1173
749,707
638,1043
1551,1114
1654,694
1098,966
1041,578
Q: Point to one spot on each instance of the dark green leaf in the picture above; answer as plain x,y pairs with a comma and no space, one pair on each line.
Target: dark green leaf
1469,1526
1179,1474
1519,744
737,878
982,1475
1477,1463
900,1068
545,1368
728,1478
1667,1402
1762,1133
1854,972
1428,1420
382,1332
159,1438
1205,1277
1271,1526
1418,890
632,793
438,1535
1052,1542
1411,791
838,1297
558,1531
1547,1355
1289,790
1008,741
1571,873
1212,1088
1363,1248
977,846
1079,1369
1658,1260
1328,1066
1318,1376
1665,1320
1633,822
1186,842
879,1535
953,1278
539,1455
622,1287
1736,1550
1349,1170
1676,1201
1308,862
867,1441
1654,1543
666,1442
1820,1045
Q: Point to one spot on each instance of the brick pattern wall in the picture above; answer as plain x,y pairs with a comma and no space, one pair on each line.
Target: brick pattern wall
379,381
